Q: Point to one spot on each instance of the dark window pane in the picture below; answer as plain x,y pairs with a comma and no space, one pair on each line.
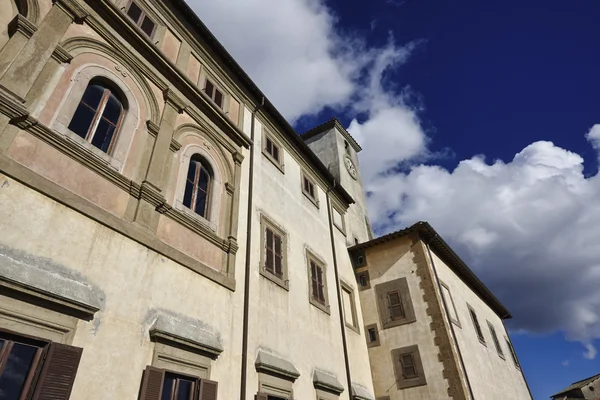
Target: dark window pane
203,179
185,390
363,280
147,26
219,98
134,12
394,298
93,94
277,244
187,197
200,203
275,152
103,135
208,88
269,260
372,335
168,385
16,370
112,110
82,120
269,239
278,269
192,171
1,343
269,147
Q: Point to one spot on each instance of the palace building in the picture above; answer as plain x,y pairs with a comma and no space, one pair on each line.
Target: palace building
166,234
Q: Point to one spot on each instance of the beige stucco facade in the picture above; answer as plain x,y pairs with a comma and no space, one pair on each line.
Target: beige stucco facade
105,261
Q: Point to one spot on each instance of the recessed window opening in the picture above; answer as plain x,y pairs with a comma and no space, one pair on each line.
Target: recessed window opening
198,186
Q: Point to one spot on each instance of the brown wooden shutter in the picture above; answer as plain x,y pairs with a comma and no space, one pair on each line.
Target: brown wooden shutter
152,383
208,390
58,372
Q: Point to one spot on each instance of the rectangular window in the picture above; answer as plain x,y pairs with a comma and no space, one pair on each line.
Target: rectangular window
272,150
408,367
30,367
495,340
215,94
338,219
309,189
364,282
350,316
141,19
478,330
273,260
512,353
394,303
162,384
452,314
317,282
372,335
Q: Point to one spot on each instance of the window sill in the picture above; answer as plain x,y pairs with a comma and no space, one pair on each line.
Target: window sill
482,341
352,328
392,324
276,163
456,322
200,219
77,140
323,307
340,229
284,283
312,200
409,383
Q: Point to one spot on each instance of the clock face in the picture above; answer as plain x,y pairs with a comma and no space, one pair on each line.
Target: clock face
350,167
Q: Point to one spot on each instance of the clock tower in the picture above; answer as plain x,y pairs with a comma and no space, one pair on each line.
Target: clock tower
338,150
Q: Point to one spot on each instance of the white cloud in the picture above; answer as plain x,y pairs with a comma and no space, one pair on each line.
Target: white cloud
565,363
591,351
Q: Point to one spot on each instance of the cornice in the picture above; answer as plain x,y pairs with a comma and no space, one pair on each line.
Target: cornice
21,24
174,100
153,128
12,105
74,9
61,55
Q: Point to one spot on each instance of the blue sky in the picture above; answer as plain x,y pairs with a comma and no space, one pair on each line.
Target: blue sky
477,116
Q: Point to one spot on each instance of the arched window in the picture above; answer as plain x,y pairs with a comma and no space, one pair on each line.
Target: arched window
197,186
98,116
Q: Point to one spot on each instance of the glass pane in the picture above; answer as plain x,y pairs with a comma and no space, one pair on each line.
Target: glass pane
134,12
278,269
187,197
277,244
204,179
269,243
192,170
269,147
394,298
372,335
82,120
168,386
200,203
407,360
112,110
275,153
208,88
103,135
219,98
93,95
185,390
148,26
1,343
269,261
16,370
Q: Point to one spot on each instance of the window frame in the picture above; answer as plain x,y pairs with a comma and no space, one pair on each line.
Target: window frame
315,197
476,325
36,364
359,276
511,349
494,336
267,223
377,341
201,163
344,287
456,320
216,88
382,290
342,228
276,143
140,20
313,258
401,381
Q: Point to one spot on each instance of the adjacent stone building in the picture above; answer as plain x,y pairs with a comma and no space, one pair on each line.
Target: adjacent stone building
166,234
587,388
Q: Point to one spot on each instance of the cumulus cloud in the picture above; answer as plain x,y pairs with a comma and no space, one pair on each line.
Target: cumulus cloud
528,227
590,352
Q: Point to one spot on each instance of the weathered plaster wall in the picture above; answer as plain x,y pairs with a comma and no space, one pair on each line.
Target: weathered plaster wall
386,262
491,377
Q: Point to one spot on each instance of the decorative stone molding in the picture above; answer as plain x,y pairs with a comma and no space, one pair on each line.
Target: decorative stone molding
22,25
174,146
327,381
43,279
152,127
174,100
61,55
442,339
360,392
238,158
189,332
72,7
270,364
11,105
229,188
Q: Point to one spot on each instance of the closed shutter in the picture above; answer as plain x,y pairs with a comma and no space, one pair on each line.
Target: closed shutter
208,390
58,372
152,383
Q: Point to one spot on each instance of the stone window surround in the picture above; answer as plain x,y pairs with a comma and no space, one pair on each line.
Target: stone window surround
314,200
381,290
376,342
311,256
160,27
450,300
268,222
216,190
402,383
278,163
475,321
495,339
343,227
350,290
513,354
203,76
365,274
64,113
276,376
